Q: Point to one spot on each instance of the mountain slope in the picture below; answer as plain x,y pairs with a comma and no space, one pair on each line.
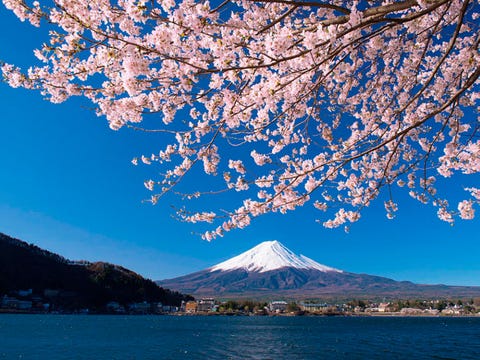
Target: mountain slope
270,270
25,266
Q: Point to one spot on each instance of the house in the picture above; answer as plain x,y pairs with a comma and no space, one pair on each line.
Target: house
411,311
277,306
383,307
205,305
169,309
191,307
140,308
13,303
157,308
312,307
114,306
9,302
452,310
24,305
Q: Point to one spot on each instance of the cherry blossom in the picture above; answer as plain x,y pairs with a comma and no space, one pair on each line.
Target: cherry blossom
284,102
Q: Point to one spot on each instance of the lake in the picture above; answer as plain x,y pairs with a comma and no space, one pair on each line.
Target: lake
223,337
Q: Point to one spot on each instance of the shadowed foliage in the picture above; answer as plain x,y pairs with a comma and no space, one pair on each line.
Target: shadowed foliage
75,284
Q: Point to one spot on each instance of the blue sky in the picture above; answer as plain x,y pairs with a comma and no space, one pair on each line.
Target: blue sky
67,185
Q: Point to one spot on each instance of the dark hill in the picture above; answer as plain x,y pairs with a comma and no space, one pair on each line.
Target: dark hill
74,284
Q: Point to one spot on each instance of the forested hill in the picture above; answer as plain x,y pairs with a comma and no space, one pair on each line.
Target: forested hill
76,284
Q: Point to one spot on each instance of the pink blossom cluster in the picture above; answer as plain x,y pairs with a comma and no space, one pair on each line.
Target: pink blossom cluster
333,100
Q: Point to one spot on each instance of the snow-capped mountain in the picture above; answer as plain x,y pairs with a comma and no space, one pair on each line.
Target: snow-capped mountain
270,270
268,256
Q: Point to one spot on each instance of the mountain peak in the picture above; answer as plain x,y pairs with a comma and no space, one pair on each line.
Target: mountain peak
267,256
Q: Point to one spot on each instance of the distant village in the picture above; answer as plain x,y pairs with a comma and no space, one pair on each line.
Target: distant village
25,301
354,307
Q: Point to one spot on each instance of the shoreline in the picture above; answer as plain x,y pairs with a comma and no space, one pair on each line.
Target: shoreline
210,314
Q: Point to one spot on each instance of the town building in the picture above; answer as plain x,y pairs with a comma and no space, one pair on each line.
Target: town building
384,307
169,309
313,307
114,306
13,303
277,306
205,305
140,308
191,307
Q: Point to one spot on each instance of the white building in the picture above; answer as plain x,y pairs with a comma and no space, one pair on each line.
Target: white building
277,306
313,307
205,305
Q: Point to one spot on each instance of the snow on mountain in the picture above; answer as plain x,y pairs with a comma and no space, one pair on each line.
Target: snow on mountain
267,256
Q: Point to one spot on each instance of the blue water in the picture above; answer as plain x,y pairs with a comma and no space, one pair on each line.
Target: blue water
198,337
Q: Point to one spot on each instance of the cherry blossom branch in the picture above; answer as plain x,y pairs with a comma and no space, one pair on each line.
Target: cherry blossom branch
285,102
